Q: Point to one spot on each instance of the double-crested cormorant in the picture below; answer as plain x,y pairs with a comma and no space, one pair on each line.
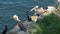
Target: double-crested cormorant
28,17
5,30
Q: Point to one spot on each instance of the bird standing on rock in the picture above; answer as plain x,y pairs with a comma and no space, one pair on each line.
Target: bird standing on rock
5,30
18,27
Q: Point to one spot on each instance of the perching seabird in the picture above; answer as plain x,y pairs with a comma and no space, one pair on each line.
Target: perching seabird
18,27
38,11
20,24
5,30
28,17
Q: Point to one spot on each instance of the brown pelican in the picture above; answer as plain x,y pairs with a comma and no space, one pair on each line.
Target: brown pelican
38,11
18,27
5,30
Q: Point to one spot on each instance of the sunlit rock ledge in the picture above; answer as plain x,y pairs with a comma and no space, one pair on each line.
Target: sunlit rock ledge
45,12
49,10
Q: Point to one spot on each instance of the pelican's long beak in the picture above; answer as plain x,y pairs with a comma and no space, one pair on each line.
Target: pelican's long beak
34,8
16,17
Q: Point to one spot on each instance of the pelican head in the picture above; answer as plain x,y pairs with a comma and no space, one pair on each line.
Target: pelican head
16,17
36,6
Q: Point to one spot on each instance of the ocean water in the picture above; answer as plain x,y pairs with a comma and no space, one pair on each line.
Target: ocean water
8,8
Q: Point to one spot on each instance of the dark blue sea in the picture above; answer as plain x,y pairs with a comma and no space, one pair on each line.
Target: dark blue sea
8,8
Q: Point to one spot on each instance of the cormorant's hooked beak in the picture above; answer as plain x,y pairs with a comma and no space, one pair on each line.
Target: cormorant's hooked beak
16,17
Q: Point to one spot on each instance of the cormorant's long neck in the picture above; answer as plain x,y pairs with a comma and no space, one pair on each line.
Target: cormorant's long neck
29,19
5,30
